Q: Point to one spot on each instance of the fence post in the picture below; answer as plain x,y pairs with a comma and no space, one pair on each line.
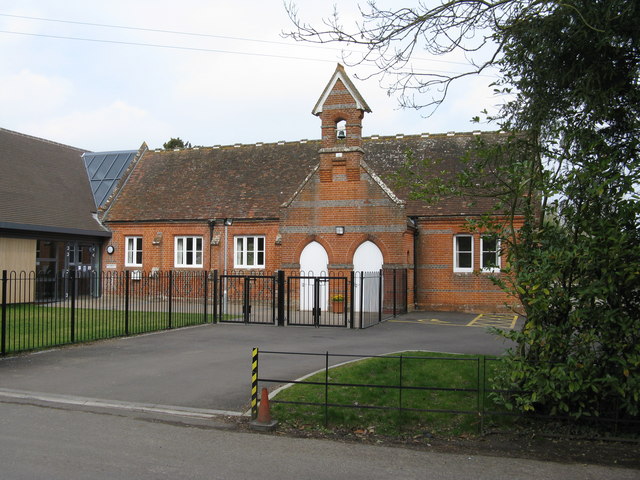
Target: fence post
316,302
480,404
380,306
361,299
3,350
72,278
254,383
246,308
205,279
351,299
280,280
215,296
395,313
326,390
400,398
126,302
170,295
484,389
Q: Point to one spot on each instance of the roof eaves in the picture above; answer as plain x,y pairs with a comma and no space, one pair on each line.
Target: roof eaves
61,230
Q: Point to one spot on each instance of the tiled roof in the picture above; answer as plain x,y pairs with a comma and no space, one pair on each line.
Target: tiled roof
44,187
239,182
386,154
252,181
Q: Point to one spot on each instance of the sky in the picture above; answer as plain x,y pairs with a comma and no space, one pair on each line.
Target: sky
210,72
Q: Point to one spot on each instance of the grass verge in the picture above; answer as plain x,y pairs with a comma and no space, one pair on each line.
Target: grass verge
33,327
440,394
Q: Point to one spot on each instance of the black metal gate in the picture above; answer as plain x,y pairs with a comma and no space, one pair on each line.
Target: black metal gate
317,301
247,299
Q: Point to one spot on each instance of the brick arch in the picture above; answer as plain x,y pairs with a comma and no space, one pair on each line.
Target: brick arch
312,238
373,239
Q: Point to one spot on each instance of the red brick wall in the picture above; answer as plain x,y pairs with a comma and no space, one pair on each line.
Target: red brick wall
438,286
162,254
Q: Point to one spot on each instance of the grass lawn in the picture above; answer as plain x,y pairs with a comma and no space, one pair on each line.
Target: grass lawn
447,385
32,327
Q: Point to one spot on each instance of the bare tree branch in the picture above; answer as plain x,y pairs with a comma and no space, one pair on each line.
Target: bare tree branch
393,38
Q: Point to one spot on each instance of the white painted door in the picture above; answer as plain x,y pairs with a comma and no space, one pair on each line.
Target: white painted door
368,259
314,262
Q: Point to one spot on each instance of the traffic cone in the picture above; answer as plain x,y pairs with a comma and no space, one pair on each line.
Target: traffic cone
264,420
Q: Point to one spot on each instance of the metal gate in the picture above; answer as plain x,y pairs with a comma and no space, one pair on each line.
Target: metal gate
317,301
247,299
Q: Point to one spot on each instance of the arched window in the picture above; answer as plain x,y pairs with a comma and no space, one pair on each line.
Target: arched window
341,130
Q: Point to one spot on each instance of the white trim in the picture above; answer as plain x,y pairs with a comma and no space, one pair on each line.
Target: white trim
256,251
340,74
455,254
194,252
495,268
127,263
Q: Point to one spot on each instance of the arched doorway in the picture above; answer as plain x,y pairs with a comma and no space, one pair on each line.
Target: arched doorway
314,262
367,259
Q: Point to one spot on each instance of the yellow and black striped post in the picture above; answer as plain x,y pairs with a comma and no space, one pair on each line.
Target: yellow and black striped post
254,383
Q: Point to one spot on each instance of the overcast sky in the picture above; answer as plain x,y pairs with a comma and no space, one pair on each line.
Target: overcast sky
105,93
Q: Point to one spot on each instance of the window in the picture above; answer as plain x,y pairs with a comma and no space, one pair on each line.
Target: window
341,130
463,253
249,252
490,260
133,252
188,252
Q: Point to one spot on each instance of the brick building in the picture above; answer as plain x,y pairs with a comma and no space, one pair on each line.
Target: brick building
313,206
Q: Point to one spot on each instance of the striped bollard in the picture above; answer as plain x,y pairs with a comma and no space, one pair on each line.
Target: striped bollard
254,383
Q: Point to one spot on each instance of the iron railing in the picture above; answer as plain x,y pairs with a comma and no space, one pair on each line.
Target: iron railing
473,390
42,310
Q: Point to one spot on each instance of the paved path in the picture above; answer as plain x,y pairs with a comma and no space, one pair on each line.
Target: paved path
50,444
148,407
210,366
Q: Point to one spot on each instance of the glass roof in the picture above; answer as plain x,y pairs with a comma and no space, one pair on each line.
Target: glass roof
105,170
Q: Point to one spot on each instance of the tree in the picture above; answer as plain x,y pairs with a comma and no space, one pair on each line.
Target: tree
176,143
570,171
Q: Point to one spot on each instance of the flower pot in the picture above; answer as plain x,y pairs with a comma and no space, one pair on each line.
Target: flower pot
337,306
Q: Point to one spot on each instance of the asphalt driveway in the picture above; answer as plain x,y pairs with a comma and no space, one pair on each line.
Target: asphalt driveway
209,366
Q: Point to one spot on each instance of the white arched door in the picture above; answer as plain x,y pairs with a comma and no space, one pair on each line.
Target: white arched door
368,259
314,262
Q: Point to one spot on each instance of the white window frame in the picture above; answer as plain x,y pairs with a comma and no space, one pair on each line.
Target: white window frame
133,247
456,252
492,268
181,255
240,255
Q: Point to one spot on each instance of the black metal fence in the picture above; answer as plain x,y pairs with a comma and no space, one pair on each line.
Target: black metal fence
247,298
41,310
469,394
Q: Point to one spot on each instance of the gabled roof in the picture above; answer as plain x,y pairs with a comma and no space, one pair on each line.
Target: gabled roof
254,181
105,169
44,187
341,75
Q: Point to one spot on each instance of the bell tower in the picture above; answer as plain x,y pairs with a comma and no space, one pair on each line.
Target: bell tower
341,109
